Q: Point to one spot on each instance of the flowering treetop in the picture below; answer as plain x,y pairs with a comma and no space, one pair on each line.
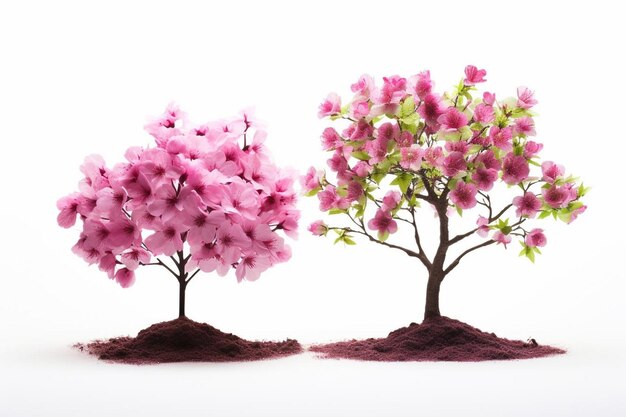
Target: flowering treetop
403,145
206,196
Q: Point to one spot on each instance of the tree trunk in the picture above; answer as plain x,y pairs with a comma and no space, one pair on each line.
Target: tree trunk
181,298
435,277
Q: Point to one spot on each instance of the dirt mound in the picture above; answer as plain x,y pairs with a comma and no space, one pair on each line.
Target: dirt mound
184,340
438,339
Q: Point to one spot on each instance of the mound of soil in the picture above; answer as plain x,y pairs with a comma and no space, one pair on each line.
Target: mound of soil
437,339
184,340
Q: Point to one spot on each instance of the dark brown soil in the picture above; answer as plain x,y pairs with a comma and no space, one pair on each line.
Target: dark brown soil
184,340
438,339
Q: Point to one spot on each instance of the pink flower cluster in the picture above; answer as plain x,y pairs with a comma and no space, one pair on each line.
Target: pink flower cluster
200,191
459,141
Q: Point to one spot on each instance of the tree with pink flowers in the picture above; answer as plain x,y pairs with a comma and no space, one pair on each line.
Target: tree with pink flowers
205,198
403,148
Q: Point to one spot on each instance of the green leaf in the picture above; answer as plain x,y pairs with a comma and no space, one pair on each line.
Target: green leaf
411,119
348,241
543,214
377,177
459,210
528,252
582,190
407,107
403,181
337,211
361,155
313,192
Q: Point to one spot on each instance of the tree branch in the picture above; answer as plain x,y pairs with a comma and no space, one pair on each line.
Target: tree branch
458,259
497,216
161,263
192,275
418,241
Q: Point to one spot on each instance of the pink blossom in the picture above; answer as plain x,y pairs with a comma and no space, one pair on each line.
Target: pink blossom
240,199
329,199
125,277
536,238
231,236
485,178
473,75
134,257
110,200
454,163
377,150
452,119
159,166
555,197
411,158
166,241
359,131
68,207
362,169
431,109
331,139
489,98
501,137
406,139
168,201
464,195
96,234
514,169
359,109
488,160
251,266
89,254
500,237
391,200
140,192
202,225
338,162
420,85
383,223
551,171
576,212
355,191
459,146
123,233
392,91
484,114
527,205
107,264
525,126
311,181
330,106
525,98
318,228
387,132
363,87
531,149
434,156
483,226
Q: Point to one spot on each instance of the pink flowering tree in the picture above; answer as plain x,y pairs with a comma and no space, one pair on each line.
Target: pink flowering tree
205,198
402,147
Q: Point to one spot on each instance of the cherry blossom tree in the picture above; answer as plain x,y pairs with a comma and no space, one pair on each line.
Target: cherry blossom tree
205,198
402,148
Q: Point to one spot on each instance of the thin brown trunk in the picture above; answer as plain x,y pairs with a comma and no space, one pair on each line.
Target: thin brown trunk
431,309
181,298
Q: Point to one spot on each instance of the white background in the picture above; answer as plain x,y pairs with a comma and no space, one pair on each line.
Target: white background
79,78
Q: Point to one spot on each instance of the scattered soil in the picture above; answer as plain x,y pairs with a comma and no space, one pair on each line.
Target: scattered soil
437,339
184,340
